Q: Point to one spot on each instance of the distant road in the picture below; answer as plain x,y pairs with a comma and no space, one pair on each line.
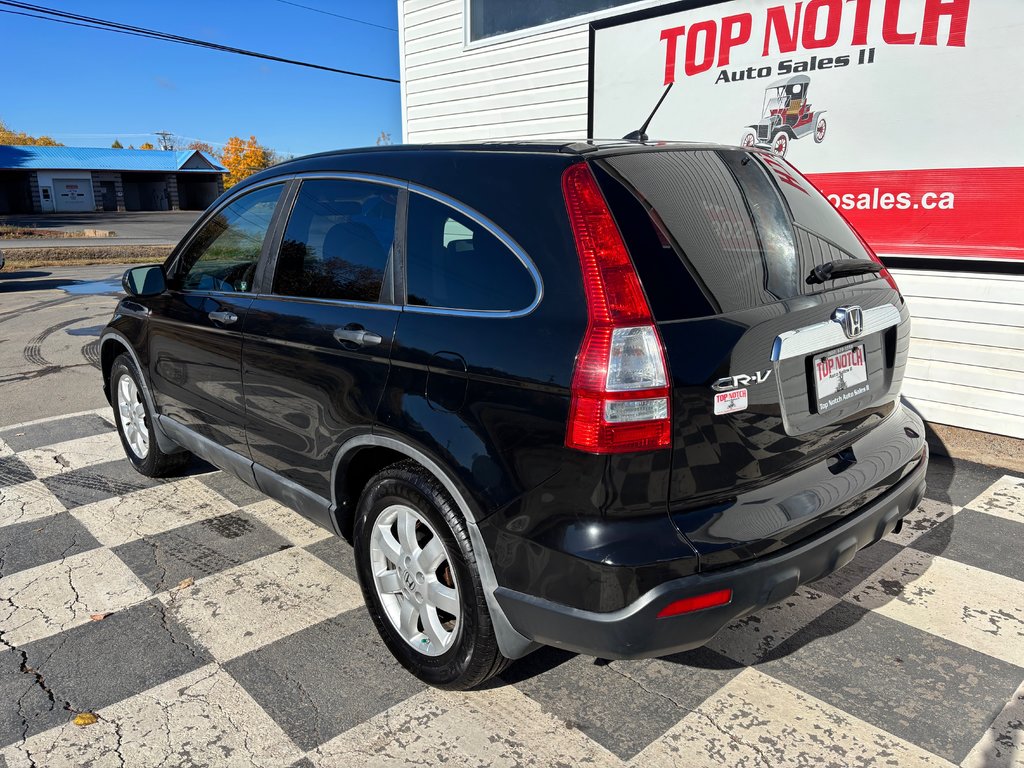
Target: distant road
78,242
135,228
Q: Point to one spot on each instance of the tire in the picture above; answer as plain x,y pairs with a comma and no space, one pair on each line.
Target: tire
749,139
780,143
460,651
135,423
820,127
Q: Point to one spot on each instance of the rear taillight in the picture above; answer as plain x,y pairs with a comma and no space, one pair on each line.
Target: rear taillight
620,387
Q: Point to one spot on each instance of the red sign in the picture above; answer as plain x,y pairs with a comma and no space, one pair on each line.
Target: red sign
954,212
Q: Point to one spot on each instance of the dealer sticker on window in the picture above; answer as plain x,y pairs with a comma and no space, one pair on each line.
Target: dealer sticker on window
839,376
729,402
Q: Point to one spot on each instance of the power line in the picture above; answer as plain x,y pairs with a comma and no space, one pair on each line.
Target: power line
337,15
89,22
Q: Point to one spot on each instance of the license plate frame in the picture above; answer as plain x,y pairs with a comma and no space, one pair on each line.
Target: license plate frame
840,375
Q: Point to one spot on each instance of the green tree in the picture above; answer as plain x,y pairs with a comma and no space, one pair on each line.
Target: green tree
117,145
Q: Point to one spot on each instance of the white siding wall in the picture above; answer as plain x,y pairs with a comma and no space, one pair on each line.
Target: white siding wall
525,88
967,349
967,355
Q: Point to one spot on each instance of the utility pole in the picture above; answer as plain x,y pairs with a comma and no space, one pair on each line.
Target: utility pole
166,139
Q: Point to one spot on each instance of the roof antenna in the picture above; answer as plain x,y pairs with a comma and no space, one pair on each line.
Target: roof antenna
641,135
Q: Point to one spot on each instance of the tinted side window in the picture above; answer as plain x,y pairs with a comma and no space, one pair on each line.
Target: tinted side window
455,263
223,255
338,241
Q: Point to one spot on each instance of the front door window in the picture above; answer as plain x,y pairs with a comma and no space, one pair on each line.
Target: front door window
223,255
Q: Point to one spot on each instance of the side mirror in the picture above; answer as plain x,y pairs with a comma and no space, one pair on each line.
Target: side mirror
145,281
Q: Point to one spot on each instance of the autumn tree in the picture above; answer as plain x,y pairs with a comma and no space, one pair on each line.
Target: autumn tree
203,146
243,159
117,145
10,136
146,145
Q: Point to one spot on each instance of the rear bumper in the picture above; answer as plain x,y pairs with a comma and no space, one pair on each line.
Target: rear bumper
635,631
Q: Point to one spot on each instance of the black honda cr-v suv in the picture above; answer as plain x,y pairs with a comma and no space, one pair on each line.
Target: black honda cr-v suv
606,397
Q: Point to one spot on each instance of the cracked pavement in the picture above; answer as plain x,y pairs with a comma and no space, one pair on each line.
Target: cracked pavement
205,625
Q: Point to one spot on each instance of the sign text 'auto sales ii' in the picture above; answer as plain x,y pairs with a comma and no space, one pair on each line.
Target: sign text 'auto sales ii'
811,26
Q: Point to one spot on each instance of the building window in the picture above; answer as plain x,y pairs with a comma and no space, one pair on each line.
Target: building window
490,18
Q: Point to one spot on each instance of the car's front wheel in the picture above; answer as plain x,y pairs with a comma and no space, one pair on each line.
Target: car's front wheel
420,580
780,143
135,423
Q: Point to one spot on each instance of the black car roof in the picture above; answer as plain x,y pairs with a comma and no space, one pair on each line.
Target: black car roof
379,159
539,146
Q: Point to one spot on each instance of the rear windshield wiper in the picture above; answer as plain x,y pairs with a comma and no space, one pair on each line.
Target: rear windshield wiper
830,270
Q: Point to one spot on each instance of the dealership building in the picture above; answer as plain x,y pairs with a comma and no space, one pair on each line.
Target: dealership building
83,179
870,98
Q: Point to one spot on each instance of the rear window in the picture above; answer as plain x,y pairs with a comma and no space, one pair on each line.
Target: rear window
712,231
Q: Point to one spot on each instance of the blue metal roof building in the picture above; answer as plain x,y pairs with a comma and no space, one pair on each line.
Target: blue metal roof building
82,179
104,159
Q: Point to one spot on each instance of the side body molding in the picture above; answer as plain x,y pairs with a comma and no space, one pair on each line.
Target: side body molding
279,488
512,644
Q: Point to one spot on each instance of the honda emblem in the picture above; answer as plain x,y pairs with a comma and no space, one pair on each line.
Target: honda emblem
851,319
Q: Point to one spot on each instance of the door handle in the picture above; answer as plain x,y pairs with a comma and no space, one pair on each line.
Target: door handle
224,318
358,336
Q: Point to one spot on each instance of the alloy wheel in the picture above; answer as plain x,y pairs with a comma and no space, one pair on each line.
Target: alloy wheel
133,416
414,579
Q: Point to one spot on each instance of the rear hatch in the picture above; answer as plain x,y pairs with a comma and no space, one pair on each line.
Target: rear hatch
770,374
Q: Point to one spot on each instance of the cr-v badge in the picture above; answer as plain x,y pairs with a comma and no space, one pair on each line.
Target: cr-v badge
742,380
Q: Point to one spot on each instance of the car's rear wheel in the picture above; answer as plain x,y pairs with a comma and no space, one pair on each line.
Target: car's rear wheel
820,128
135,423
420,580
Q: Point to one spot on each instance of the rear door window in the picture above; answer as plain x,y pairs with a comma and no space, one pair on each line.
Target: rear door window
453,262
338,242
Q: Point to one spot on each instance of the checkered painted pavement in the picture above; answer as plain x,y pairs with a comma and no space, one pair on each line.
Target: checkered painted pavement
236,636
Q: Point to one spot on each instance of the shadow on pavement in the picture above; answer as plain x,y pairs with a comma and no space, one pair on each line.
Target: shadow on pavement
23,274
30,281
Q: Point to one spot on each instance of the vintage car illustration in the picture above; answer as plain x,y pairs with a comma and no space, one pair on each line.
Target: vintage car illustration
785,115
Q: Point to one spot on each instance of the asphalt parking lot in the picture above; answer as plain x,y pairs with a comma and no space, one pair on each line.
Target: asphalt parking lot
205,625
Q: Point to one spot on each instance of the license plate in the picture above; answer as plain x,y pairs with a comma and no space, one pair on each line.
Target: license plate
839,376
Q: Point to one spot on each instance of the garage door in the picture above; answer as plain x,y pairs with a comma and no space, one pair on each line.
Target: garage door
73,194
